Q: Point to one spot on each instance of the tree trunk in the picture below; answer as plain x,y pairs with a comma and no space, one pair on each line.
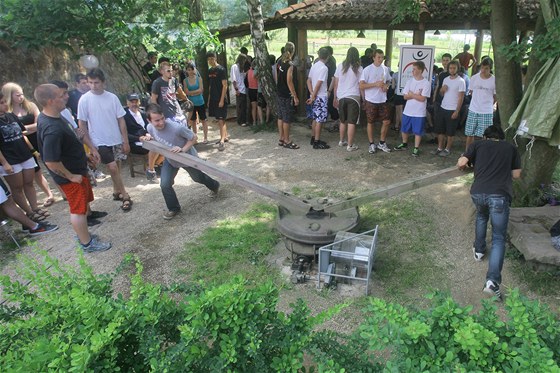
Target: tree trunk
264,72
508,73
539,164
196,15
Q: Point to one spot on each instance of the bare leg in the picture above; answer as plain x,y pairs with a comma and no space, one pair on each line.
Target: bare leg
116,178
15,181
342,132
281,129
42,182
17,214
223,130
317,130
254,111
440,141
79,223
260,114
370,132
351,133
29,188
286,132
417,140
449,142
384,129
404,137
205,129
468,142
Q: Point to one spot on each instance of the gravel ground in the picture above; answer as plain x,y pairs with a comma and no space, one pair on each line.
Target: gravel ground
157,242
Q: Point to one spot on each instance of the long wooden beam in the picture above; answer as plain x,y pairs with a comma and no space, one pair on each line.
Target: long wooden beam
290,202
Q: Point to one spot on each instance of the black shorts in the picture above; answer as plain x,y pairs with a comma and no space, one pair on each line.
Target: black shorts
253,95
109,154
444,124
261,100
214,110
349,110
201,111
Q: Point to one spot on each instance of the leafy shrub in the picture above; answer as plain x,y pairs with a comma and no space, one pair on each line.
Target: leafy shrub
68,320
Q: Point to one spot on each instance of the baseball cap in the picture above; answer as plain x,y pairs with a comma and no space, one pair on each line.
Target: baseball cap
133,96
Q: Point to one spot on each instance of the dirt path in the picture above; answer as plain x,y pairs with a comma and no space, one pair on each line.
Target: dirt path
157,242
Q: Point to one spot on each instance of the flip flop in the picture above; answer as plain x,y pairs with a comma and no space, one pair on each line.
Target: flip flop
117,197
291,145
126,204
48,202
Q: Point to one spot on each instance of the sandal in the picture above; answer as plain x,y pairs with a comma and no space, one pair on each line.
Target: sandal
35,217
280,142
117,197
291,145
126,204
42,212
48,202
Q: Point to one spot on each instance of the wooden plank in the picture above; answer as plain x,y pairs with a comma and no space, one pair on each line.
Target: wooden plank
291,203
394,189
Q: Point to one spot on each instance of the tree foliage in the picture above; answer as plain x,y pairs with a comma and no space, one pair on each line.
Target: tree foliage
124,28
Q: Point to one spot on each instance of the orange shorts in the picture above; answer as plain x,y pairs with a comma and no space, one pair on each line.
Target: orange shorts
78,196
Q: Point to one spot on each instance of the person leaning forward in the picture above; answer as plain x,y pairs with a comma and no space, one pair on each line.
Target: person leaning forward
66,160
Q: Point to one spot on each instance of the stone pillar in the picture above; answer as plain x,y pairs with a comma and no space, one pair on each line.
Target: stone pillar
301,51
388,48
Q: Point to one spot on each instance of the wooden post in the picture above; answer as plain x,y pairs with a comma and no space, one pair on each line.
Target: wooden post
301,51
222,60
478,48
292,30
418,36
388,48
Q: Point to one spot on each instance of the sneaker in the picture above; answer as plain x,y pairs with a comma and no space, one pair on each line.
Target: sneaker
415,152
383,147
320,145
444,153
243,124
436,151
401,146
492,289
477,256
98,174
342,143
95,245
168,215
151,175
351,148
221,146
42,228
371,149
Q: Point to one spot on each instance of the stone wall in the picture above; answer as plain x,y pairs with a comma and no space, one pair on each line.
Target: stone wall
29,68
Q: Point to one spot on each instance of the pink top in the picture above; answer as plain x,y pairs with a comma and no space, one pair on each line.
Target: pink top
253,82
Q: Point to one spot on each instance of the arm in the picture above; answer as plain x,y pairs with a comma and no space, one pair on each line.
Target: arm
516,174
462,162
59,169
335,89
32,128
185,148
7,167
153,98
83,134
291,86
234,80
315,91
459,105
124,134
181,94
473,59
223,96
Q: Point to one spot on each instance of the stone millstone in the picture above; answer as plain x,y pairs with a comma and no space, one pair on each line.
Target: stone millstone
316,227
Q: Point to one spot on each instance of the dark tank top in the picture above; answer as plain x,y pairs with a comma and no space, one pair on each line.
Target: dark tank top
26,120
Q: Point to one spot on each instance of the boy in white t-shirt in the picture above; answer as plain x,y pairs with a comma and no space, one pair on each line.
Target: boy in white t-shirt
317,86
416,92
446,122
481,109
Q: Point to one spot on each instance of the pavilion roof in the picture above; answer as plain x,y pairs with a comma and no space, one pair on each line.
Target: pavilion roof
377,15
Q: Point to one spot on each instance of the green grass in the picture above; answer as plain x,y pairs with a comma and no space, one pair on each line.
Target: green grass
236,246
403,259
542,283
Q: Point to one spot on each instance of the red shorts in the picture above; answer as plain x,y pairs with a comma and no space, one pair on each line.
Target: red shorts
78,196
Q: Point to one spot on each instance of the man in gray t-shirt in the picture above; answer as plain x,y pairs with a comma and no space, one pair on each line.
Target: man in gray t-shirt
181,140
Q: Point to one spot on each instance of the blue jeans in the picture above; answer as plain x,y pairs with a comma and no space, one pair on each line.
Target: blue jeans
496,208
167,179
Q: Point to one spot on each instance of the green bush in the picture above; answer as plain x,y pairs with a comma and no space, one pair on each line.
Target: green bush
68,320
450,338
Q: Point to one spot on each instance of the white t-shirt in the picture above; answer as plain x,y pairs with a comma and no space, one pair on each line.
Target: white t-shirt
102,113
348,82
413,107
239,77
483,91
373,74
454,87
319,72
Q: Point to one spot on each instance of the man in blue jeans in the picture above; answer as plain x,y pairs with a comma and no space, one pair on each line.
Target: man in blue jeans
496,164
181,140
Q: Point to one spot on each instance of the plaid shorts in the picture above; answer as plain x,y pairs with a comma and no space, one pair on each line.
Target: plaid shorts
477,123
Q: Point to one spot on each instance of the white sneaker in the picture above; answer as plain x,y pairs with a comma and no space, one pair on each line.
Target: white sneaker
371,149
342,143
384,147
477,256
351,148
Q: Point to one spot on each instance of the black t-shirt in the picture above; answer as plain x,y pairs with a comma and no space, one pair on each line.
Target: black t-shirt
167,96
282,78
440,77
12,145
215,76
26,120
150,70
493,162
366,61
58,143
73,99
